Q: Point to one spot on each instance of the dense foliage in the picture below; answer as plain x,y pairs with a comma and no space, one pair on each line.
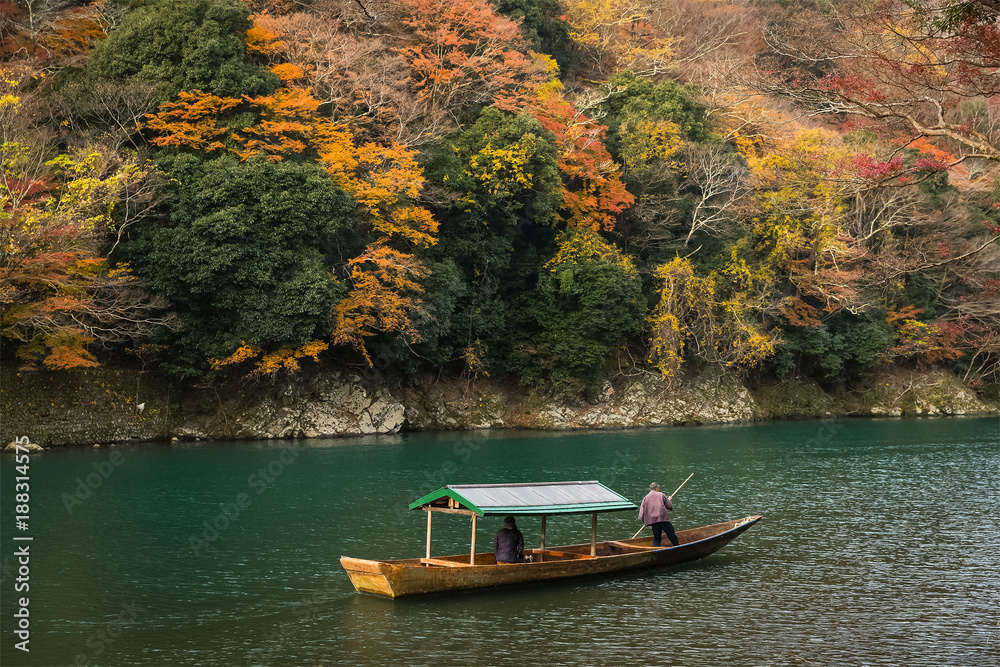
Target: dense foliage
550,192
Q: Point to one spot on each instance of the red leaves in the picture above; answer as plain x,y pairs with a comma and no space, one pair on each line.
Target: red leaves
852,86
930,159
930,164
868,168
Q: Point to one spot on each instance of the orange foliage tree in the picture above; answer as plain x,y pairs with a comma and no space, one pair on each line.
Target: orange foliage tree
593,192
465,53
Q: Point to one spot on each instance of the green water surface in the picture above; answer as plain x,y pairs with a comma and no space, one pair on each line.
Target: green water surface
880,546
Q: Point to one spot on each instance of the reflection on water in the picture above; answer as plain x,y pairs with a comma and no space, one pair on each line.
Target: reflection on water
879,546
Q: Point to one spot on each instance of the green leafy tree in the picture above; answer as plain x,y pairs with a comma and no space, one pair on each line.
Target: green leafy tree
588,298
544,27
499,187
183,45
634,97
844,346
239,254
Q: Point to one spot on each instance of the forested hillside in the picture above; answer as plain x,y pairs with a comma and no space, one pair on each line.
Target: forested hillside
548,192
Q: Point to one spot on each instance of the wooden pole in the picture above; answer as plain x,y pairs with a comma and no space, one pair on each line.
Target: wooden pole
671,496
593,534
429,533
682,485
472,556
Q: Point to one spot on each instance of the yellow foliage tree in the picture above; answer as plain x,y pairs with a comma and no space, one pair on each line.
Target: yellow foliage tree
269,364
690,318
620,35
799,232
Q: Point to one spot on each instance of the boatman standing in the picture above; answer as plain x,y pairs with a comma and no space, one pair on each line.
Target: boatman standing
655,513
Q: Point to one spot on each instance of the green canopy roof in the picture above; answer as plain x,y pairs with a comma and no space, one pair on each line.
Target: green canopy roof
531,498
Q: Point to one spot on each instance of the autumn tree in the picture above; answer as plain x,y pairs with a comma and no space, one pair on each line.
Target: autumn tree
593,193
464,53
619,35
918,68
383,181
799,231
60,294
701,318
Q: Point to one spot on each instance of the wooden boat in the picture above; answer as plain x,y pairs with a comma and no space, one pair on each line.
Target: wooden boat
413,576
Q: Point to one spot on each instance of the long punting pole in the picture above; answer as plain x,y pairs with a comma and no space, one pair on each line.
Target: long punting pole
682,485
429,533
593,534
472,556
671,495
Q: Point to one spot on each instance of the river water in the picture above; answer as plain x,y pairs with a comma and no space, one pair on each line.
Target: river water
880,546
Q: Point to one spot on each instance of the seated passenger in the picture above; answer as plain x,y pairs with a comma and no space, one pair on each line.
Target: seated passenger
508,545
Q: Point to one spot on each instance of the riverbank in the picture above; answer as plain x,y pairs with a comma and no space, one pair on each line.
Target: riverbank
103,405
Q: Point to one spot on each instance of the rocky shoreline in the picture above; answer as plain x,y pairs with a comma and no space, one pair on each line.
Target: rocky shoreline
103,406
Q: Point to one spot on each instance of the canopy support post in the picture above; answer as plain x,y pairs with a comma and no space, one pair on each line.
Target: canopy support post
472,556
429,513
593,534
541,550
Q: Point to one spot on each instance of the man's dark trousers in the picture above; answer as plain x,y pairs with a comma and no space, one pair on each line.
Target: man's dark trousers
661,527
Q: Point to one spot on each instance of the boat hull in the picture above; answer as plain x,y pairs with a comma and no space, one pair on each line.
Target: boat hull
414,576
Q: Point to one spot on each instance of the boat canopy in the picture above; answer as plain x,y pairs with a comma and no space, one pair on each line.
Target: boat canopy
530,498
